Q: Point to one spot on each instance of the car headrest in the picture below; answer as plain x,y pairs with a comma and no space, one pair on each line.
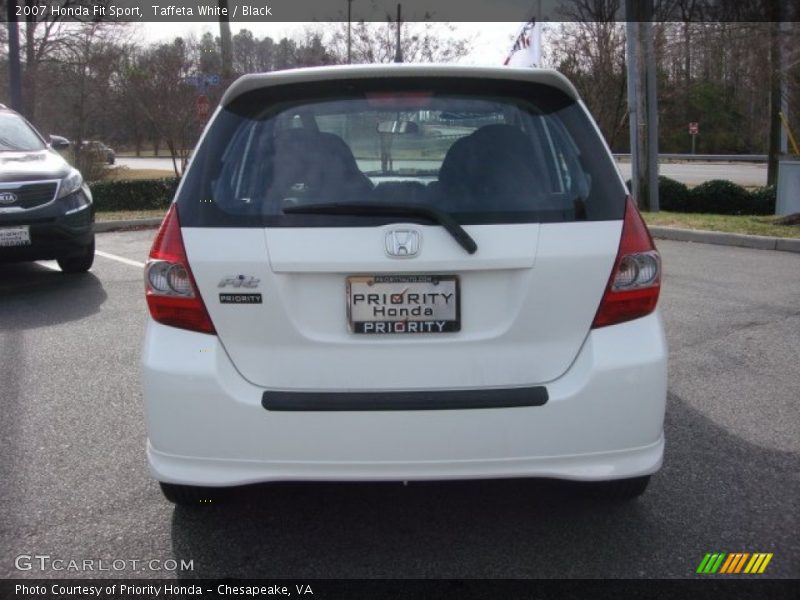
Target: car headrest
312,160
495,159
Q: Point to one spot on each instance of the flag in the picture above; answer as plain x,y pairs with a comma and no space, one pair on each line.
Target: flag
527,48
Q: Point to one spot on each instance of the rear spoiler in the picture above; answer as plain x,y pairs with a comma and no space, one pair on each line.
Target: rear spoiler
248,83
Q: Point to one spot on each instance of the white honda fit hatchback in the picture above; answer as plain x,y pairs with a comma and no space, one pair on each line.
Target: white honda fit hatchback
403,273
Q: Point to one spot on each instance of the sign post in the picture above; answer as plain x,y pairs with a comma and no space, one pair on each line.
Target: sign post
203,81
694,129
203,107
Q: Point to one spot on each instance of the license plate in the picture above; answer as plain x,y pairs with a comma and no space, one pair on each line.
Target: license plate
15,236
403,304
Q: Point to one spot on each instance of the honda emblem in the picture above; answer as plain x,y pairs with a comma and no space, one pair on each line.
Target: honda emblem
402,243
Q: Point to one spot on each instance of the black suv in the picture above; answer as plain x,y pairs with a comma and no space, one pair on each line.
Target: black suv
46,209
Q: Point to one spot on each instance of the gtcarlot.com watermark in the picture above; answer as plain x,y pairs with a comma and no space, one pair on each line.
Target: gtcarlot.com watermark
45,562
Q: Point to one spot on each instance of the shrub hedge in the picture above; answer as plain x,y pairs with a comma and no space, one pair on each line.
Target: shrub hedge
673,195
143,194
720,197
764,199
717,196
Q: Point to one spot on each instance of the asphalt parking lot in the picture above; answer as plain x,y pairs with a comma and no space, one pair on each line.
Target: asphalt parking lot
75,483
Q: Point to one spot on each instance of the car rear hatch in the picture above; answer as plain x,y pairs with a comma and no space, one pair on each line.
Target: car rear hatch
402,229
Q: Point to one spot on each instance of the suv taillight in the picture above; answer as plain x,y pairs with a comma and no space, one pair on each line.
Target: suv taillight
170,289
635,281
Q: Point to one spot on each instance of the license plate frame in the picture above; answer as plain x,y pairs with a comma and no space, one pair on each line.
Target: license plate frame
14,237
446,310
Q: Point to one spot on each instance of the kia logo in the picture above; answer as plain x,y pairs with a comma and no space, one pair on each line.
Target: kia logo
7,198
402,243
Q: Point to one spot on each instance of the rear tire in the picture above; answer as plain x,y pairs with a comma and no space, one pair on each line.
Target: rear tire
190,495
620,490
78,263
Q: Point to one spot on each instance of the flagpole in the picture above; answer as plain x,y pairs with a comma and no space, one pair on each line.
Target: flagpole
536,35
536,44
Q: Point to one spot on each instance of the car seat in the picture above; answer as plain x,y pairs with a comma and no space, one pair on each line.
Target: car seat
310,166
493,166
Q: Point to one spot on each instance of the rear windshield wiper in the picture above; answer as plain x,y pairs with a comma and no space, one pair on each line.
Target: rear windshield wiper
410,210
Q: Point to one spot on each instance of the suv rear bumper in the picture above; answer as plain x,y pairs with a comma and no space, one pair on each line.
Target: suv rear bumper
603,420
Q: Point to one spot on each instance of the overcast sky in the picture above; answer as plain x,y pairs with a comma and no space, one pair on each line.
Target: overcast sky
491,41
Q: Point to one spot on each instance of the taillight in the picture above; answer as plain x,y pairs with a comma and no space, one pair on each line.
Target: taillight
635,281
170,289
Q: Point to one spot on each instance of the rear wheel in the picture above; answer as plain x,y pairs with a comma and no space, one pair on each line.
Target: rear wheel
619,490
78,263
190,495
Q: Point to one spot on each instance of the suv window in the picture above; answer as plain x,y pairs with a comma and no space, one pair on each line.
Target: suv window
16,135
515,153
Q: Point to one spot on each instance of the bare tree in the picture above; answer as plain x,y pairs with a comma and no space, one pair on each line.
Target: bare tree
374,42
252,55
592,54
245,52
84,82
312,52
158,82
45,36
715,72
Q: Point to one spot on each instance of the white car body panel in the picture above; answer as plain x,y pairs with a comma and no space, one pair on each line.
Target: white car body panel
523,318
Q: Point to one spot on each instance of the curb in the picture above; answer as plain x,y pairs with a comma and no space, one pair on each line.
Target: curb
104,226
759,242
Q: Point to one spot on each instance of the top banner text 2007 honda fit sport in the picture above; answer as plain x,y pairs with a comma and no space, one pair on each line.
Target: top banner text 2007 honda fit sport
403,273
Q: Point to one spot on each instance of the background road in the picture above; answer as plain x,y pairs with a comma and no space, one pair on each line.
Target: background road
747,174
75,482
694,173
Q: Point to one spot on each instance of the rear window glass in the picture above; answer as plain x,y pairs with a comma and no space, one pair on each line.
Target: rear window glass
483,151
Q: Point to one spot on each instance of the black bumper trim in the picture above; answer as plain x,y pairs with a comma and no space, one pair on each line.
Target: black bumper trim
446,400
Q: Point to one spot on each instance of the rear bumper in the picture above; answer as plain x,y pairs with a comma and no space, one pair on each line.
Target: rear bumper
579,467
603,420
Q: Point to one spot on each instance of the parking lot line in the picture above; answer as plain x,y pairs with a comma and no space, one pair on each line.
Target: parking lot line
121,259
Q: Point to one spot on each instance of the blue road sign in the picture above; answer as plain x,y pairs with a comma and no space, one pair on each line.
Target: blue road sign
203,81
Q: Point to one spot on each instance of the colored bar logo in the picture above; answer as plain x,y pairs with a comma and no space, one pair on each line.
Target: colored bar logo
734,563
